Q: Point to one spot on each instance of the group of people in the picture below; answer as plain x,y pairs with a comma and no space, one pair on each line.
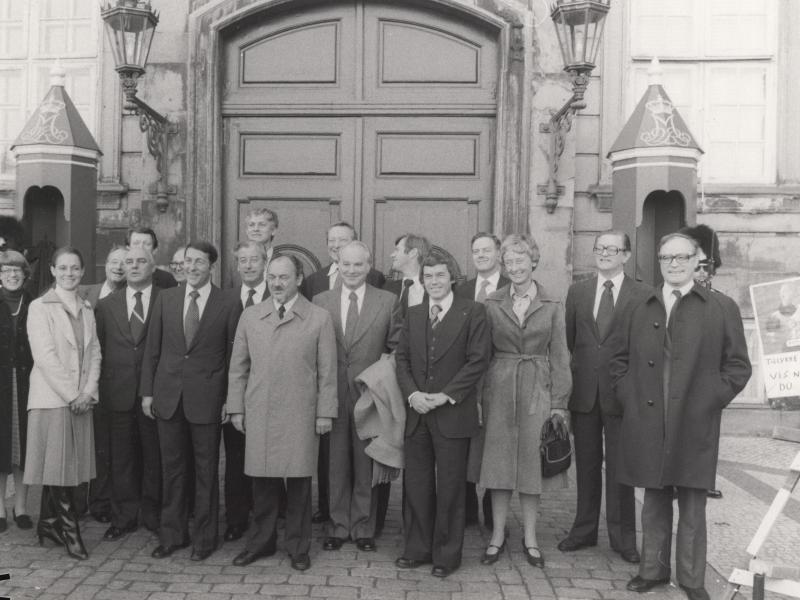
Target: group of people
343,374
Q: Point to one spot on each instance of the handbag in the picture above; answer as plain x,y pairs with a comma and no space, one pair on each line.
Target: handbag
555,447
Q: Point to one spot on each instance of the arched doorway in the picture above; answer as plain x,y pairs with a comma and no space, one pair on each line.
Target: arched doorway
662,213
376,113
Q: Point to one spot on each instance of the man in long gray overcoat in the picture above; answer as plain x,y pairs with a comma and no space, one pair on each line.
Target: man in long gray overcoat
681,359
282,395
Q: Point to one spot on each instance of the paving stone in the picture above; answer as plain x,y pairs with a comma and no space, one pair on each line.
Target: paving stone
188,587
277,589
331,591
583,594
236,588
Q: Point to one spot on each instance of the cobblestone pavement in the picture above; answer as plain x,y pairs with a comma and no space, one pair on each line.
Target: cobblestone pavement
751,470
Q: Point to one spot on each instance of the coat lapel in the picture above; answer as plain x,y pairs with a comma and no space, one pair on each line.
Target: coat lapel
119,309
588,307
454,320
336,313
210,312
368,314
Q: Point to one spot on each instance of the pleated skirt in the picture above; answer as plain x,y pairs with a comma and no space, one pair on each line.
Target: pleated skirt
60,448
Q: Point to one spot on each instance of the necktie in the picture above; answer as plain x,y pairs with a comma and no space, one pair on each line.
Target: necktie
351,319
281,311
671,319
605,312
435,310
250,293
137,317
407,283
481,297
191,322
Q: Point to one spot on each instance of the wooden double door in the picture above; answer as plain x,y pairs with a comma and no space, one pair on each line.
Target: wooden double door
368,112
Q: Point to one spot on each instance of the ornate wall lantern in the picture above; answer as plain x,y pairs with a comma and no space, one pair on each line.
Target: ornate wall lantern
579,27
130,26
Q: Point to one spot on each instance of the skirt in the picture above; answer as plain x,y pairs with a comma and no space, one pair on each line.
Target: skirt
60,448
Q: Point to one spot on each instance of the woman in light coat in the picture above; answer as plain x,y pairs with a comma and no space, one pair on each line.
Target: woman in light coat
528,380
63,390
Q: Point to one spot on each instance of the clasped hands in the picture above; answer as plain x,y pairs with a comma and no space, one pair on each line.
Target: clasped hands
81,403
424,402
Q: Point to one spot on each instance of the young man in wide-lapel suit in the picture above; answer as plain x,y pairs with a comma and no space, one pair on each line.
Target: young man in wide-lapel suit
122,319
443,352
595,310
184,383
362,316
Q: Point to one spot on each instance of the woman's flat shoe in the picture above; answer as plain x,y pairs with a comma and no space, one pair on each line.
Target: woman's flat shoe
22,521
535,560
490,559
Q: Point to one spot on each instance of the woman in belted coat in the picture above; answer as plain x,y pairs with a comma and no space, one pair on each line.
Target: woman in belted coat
63,390
15,370
528,379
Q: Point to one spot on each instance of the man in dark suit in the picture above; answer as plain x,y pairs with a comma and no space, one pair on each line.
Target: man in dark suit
328,278
681,358
122,320
184,382
443,352
595,309
362,318
489,278
146,238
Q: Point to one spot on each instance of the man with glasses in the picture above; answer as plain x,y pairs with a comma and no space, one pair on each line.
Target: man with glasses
595,310
176,266
681,358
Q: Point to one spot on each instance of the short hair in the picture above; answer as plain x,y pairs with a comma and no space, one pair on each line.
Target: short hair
251,246
626,240
257,212
343,224
206,247
485,234
520,243
115,248
145,230
298,264
418,242
678,236
66,250
359,244
12,258
438,257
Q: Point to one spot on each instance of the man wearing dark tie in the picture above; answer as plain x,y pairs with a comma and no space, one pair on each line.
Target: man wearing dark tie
486,258
184,382
681,358
122,321
362,317
443,352
595,309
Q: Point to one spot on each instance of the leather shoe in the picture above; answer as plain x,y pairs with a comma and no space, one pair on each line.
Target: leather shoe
410,563
114,533
301,562
234,532
630,555
22,521
198,555
534,560
320,517
695,593
716,494
245,557
490,559
365,544
641,585
162,551
569,544
332,543
439,571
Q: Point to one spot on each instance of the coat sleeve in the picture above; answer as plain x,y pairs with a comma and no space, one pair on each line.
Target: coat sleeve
560,372
41,336
570,313
735,369
239,370
90,388
152,351
479,349
327,390
405,377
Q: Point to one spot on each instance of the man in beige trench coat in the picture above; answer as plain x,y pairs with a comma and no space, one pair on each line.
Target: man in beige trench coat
282,395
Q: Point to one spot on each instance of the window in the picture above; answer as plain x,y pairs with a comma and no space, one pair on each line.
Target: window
718,58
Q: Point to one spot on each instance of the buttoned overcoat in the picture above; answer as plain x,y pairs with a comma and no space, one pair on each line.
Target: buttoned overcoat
708,365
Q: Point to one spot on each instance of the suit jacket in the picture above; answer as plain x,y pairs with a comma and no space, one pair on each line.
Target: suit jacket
453,362
318,281
198,374
467,289
57,377
163,279
235,295
677,444
591,355
121,370
369,341
91,292
282,377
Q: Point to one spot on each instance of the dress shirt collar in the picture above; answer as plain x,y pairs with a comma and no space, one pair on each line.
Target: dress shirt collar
131,301
288,305
530,293
105,290
667,290
493,279
616,280
260,289
445,303
360,291
334,268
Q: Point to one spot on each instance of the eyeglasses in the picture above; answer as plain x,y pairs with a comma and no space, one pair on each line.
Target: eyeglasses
11,270
176,266
681,259
610,250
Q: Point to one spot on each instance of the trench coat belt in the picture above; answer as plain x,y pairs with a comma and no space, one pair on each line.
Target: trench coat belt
541,378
